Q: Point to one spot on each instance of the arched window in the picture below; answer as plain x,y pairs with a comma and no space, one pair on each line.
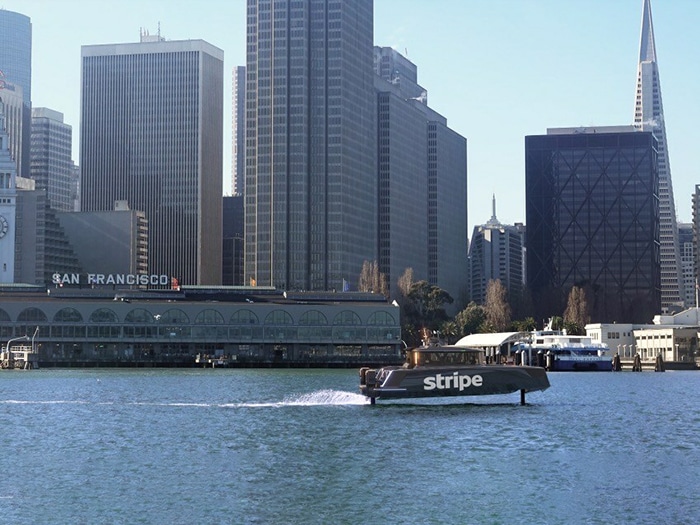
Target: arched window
278,317
104,315
209,316
347,318
313,318
139,316
279,326
381,319
244,316
174,316
68,315
32,315
5,325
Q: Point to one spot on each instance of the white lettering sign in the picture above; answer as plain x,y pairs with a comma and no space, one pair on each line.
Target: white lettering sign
111,279
443,382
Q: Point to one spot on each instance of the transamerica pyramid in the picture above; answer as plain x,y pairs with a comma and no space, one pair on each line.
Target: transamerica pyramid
649,116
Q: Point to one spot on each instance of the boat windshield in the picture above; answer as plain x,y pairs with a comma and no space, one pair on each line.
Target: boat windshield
447,357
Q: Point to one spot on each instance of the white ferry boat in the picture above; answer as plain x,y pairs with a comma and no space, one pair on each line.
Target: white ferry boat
565,353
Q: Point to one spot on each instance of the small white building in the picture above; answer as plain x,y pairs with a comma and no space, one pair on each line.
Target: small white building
675,337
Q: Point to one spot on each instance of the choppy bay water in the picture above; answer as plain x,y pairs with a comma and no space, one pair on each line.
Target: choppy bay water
301,446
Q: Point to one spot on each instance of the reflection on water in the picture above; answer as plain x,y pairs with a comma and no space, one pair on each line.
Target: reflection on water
285,446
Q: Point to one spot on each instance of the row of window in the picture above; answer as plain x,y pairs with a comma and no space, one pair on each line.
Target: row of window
175,316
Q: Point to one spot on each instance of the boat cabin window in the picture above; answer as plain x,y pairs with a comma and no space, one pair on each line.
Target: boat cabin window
460,357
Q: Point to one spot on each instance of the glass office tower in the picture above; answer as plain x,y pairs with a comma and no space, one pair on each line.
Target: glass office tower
152,135
311,176
16,69
593,221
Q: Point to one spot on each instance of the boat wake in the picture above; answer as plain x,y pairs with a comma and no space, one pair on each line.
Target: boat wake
318,398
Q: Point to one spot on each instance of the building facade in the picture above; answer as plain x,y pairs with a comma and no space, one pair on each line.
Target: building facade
233,246
687,249
593,221
8,204
152,135
101,326
51,165
16,69
422,174
649,116
238,125
496,253
311,184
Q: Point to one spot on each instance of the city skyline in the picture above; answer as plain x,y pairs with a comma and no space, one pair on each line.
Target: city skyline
498,70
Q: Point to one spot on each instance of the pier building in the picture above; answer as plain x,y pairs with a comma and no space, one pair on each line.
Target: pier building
103,325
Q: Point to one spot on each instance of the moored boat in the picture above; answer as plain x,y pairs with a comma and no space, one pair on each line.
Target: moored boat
566,353
445,370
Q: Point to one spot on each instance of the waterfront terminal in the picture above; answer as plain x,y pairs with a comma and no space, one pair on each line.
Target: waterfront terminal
105,326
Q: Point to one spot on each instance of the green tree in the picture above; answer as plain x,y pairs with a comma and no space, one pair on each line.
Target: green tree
470,319
496,306
424,309
526,325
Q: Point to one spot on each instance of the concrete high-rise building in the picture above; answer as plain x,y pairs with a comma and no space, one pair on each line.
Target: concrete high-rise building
593,221
685,242
649,116
238,146
696,239
422,173
51,165
152,135
496,253
311,175
16,69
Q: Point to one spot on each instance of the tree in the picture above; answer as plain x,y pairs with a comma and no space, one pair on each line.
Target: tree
496,306
577,314
526,325
424,309
372,280
470,319
405,282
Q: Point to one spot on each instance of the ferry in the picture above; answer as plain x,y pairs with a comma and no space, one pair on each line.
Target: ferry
566,353
447,370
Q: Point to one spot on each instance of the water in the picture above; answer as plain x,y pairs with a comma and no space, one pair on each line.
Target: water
301,446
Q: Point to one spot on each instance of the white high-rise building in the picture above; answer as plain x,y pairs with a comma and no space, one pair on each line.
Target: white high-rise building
649,116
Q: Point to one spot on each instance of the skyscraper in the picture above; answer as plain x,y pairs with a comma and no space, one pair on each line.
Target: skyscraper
16,68
311,177
152,135
496,252
649,116
593,221
238,146
51,165
422,170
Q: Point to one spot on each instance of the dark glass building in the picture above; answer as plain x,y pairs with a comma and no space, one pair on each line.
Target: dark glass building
16,69
233,246
152,135
592,208
311,177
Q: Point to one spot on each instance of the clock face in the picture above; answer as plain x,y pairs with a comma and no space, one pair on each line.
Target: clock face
4,226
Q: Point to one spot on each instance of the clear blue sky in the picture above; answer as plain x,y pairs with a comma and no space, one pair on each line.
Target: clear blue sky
497,69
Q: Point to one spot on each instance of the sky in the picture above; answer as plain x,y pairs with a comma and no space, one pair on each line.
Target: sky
498,70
